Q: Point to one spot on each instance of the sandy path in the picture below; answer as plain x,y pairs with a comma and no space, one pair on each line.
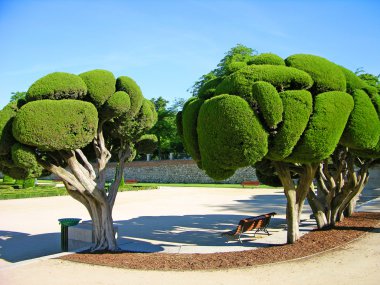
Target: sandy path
356,263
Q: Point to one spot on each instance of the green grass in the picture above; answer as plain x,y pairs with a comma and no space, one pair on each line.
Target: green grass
49,190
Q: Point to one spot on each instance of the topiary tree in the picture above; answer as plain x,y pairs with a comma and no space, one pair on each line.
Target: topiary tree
66,121
285,120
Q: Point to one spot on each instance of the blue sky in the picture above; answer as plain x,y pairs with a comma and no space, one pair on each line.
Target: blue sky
166,45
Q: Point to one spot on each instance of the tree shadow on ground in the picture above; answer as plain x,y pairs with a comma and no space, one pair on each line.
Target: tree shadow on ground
18,246
197,230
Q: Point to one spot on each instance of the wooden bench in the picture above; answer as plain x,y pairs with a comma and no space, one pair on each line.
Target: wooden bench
130,181
250,183
258,223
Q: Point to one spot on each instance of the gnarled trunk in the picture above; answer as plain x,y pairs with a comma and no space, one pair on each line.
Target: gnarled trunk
295,195
83,185
339,186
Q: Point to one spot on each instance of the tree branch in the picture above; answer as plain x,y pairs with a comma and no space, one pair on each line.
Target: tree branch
87,164
63,174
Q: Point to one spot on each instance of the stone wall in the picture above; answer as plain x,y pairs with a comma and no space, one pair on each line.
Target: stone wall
175,171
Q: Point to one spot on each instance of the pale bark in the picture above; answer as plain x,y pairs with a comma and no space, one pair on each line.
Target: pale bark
295,195
81,183
339,186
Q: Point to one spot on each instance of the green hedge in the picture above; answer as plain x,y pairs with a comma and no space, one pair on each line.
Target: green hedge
57,85
331,112
327,76
189,123
128,85
363,127
298,106
230,136
269,102
282,77
56,125
100,85
267,58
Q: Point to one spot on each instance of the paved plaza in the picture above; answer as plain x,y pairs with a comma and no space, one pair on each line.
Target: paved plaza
170,219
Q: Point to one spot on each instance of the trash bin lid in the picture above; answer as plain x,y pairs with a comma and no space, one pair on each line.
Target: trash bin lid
69,221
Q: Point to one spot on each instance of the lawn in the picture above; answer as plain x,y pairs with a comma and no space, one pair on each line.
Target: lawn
48,188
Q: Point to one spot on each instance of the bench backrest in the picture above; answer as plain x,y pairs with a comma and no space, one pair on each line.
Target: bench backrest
257,222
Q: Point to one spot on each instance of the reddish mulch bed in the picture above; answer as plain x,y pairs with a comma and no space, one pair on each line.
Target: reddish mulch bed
309,244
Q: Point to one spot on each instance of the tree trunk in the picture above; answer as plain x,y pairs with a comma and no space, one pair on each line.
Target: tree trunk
295,196
104,233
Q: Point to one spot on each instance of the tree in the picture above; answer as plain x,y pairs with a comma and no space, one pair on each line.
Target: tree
62,115
236,58
17,96
284,116
165,128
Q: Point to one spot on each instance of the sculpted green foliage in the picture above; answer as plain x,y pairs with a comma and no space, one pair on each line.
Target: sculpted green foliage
56,86
56,124
118,104
208,89
189,122
330,115
146,144
363,127
327,76
353,82
267,58
298,106
178,121
128,85
25,157
100,85
281,77
6,118
269,102
230,136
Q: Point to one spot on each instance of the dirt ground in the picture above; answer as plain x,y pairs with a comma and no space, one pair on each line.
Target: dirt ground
311,243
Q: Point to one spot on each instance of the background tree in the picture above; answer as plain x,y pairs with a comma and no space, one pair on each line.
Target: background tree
165,129
283,116
236,58
64,113
17,96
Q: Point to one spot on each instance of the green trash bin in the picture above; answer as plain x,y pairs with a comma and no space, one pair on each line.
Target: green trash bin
65,224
